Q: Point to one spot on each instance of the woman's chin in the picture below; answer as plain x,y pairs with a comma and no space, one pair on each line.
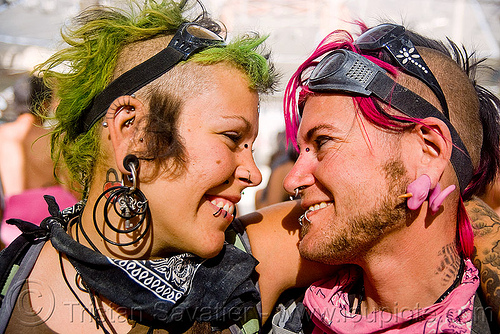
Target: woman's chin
210,249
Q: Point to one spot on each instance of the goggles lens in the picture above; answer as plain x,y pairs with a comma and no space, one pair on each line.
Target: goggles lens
204,33
343,70
376,37
393,39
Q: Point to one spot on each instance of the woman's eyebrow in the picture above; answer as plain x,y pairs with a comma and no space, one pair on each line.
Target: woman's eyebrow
248,125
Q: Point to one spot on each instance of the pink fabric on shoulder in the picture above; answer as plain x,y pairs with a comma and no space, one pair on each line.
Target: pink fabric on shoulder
30,206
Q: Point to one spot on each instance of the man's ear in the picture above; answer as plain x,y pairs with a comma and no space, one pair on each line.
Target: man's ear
435,147
122,118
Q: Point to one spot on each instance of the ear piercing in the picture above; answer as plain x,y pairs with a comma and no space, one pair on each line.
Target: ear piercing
130,121
104,124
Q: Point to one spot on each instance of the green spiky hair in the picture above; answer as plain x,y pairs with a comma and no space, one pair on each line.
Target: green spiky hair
96,39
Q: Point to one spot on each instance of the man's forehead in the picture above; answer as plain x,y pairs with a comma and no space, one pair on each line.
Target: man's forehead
328,112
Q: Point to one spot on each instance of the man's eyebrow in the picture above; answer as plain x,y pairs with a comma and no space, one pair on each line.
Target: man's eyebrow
313,130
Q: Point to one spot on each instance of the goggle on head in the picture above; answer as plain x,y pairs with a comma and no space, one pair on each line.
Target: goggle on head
345,71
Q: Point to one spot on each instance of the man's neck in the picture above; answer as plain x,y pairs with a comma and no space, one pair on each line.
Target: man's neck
406,273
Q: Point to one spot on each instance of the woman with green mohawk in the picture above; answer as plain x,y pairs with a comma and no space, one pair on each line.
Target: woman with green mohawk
156,121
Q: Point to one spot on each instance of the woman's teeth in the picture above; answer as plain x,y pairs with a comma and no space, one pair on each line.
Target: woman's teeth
227,207
321,205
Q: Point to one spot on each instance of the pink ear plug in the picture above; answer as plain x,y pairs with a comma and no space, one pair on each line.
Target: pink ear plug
418,191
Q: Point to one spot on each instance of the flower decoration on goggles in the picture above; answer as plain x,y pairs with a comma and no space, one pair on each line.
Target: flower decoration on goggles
189,39
348,72
392,37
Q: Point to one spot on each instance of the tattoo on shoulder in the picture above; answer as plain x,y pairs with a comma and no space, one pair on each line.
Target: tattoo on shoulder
486,257
483,219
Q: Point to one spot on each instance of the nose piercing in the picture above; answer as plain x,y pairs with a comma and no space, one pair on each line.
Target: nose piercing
297,190
304,216
249,177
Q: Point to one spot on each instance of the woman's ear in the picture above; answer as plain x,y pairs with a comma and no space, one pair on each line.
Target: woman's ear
435,147
122,120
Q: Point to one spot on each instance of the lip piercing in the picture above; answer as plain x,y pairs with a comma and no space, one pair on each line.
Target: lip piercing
218,212
304,216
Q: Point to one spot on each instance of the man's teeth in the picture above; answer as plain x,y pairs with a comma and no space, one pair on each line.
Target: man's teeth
228,207
321,205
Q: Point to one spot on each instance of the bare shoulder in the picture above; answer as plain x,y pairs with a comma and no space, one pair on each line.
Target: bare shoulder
486,256
284,214
274,237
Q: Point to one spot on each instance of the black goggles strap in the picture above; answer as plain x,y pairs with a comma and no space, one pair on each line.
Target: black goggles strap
130,82
181,47
413,105
393,39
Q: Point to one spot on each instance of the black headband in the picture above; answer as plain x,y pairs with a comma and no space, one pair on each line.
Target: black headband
189,39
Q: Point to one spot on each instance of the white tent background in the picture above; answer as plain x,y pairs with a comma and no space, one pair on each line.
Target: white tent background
30,32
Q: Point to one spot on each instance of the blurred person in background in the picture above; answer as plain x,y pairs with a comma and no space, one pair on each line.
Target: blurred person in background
26,168
280,163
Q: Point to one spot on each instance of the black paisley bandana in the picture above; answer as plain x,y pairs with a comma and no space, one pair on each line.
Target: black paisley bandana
174,291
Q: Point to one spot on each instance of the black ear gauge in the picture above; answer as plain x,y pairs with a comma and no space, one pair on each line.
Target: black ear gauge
129,160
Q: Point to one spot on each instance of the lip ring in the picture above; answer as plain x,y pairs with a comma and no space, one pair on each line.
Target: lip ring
304,216
218,212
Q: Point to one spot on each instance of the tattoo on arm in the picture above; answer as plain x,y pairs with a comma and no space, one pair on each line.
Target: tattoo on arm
486,257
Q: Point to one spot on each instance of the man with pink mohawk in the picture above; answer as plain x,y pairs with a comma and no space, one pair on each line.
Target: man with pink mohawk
394,135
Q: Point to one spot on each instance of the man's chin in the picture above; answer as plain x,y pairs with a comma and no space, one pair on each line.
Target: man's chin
307,251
